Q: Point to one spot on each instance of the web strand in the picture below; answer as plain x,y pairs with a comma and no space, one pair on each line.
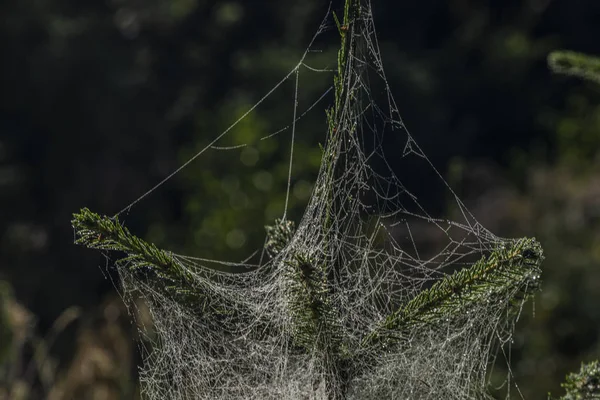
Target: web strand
226,131
292,140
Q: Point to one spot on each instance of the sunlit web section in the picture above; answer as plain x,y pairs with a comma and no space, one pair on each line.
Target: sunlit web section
367,222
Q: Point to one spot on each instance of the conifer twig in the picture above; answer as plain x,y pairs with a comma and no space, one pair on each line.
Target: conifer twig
508,269
170,276
583,385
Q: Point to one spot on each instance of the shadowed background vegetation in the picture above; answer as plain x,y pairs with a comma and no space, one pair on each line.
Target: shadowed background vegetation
100,101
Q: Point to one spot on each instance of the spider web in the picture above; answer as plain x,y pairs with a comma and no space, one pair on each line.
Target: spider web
366,222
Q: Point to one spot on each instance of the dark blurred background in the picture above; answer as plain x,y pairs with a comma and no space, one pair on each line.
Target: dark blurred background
101,100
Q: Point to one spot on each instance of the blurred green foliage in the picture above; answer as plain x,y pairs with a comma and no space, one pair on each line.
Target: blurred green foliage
6,331
577,64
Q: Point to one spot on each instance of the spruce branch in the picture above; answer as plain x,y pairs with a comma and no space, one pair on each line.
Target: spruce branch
106,233
315,324
575,64
143,258
510,272
279,236
583,385
307,291
313,317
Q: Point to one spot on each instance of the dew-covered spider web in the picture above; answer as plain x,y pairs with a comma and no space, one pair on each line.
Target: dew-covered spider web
361,298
